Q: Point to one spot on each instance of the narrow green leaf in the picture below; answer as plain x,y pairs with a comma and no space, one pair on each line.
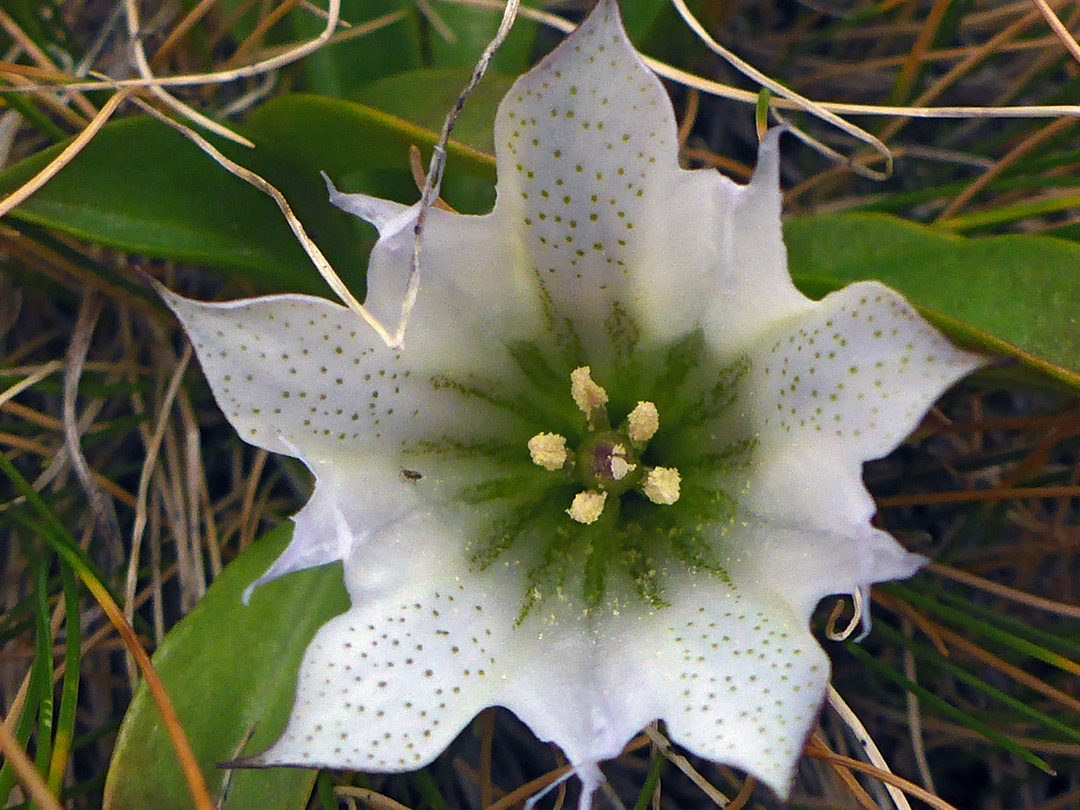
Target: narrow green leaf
964,618
143,188
1057,640
933,658
230,670
69,690
140,187
948,709
1014,295
366,149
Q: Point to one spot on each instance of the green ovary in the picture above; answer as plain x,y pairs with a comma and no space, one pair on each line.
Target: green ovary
592,501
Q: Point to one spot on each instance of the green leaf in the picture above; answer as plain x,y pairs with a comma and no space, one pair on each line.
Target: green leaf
473,29
365,149
230,669
424,97
142,188
338,68
1013,295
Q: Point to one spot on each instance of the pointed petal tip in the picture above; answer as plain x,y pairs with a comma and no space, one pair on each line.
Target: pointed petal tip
383,214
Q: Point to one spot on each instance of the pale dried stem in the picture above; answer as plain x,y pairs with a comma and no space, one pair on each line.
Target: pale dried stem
248,525
975,57
27,189
780,90
693,99
725,91
845,776
351,32
54,104
153,446
973,650
683,764
1030,143
320,261
433,181
42,60
914,714
887,777
142,67
437,22
371,797
743,796
89,310
1010,593
910,67
292,54
1058,27
869,747
180,30
35,377
25,772
259,31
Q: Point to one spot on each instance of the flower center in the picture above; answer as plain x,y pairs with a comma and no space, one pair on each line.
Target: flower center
608,461
606,496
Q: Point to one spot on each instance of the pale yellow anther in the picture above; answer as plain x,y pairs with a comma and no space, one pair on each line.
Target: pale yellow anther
662,485
587,507
589,396
548,450
643,422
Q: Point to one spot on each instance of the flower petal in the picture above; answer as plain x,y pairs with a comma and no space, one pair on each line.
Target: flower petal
738,676
302,376
751,286
491,290
853,374
389,684
587,161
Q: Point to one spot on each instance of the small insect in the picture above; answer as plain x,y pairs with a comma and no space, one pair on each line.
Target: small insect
412,476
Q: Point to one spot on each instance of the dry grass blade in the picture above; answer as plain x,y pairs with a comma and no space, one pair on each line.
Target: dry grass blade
317,258
1055,23
286,57
142,65
817,751
433,180
866,742
27,189
1013,594
25,771
780,90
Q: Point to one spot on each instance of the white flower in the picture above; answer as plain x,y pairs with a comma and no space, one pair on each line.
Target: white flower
613,470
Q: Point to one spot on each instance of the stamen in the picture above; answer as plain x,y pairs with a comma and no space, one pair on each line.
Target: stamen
587,507
662,485
589,396
548,450
643,422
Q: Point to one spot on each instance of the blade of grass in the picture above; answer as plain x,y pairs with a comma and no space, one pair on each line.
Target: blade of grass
17,759
43,661
69,691
948,709
962,614
652,782
935,659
